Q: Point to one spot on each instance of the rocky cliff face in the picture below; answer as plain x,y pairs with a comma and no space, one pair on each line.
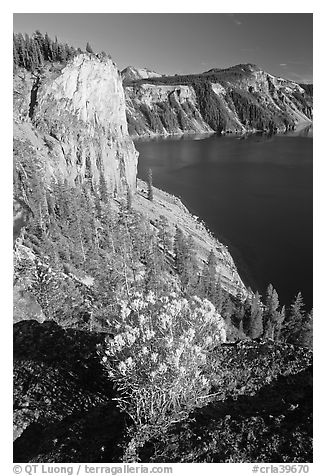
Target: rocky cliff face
74,117
238,99
163,109
131,74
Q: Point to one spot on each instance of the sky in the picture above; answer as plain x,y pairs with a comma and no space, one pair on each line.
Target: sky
280,43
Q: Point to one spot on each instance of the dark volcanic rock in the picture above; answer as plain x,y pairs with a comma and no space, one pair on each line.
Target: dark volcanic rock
92,437
61,395
273,424
261,410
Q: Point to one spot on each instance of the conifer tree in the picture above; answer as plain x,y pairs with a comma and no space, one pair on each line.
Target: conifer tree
256,318
31,52
189,277
103,189
48,47
271,316
179,250
219,300
305,338
129,199
15,53
294,322
279,320
150,195
155,266
209,283
164,235
89,49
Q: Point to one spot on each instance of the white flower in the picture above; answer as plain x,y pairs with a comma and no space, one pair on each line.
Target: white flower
131,338
165,320
168,342
197,350
209,340
162,368
142,319
204,381
119,343
149,334
129,362
122,368
150,297
124,310
154,356
144,350
191,333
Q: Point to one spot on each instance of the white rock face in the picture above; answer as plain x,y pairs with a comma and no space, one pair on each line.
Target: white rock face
175,98
82,114
130,73
246,99
150,94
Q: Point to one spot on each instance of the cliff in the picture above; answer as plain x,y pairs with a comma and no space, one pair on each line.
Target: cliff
131,74
74,120
234,100
70,124
83,254
177,215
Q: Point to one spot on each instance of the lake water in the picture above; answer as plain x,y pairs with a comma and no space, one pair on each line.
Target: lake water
255,195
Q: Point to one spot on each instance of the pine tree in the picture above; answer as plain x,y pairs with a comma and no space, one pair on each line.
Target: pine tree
271,316
15,53
103,189
294,321
256,318
305,338
55,49
31,52
209,282
129,199
279,320
164,235
219,299
89,49
48,48
150,195
189,276
39,41
155,267
62,53
179,251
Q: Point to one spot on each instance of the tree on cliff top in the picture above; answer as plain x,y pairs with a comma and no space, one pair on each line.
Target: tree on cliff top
89,49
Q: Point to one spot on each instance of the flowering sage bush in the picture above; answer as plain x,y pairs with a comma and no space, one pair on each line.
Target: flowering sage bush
158,354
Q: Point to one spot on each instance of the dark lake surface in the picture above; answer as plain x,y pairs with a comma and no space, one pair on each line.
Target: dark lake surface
254,194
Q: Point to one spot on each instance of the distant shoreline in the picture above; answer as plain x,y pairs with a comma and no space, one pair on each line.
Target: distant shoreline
301,126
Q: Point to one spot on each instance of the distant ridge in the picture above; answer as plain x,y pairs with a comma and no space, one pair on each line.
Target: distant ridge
231,100
131,74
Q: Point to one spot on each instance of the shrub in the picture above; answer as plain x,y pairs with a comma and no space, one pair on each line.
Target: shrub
158,355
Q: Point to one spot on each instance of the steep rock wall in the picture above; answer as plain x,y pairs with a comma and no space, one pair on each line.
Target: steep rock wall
131,74
75,117
163,109
241,98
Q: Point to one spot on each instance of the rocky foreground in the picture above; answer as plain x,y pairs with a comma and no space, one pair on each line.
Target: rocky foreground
64,409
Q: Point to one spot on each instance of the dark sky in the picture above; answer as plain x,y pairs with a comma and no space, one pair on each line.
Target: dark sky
280,43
